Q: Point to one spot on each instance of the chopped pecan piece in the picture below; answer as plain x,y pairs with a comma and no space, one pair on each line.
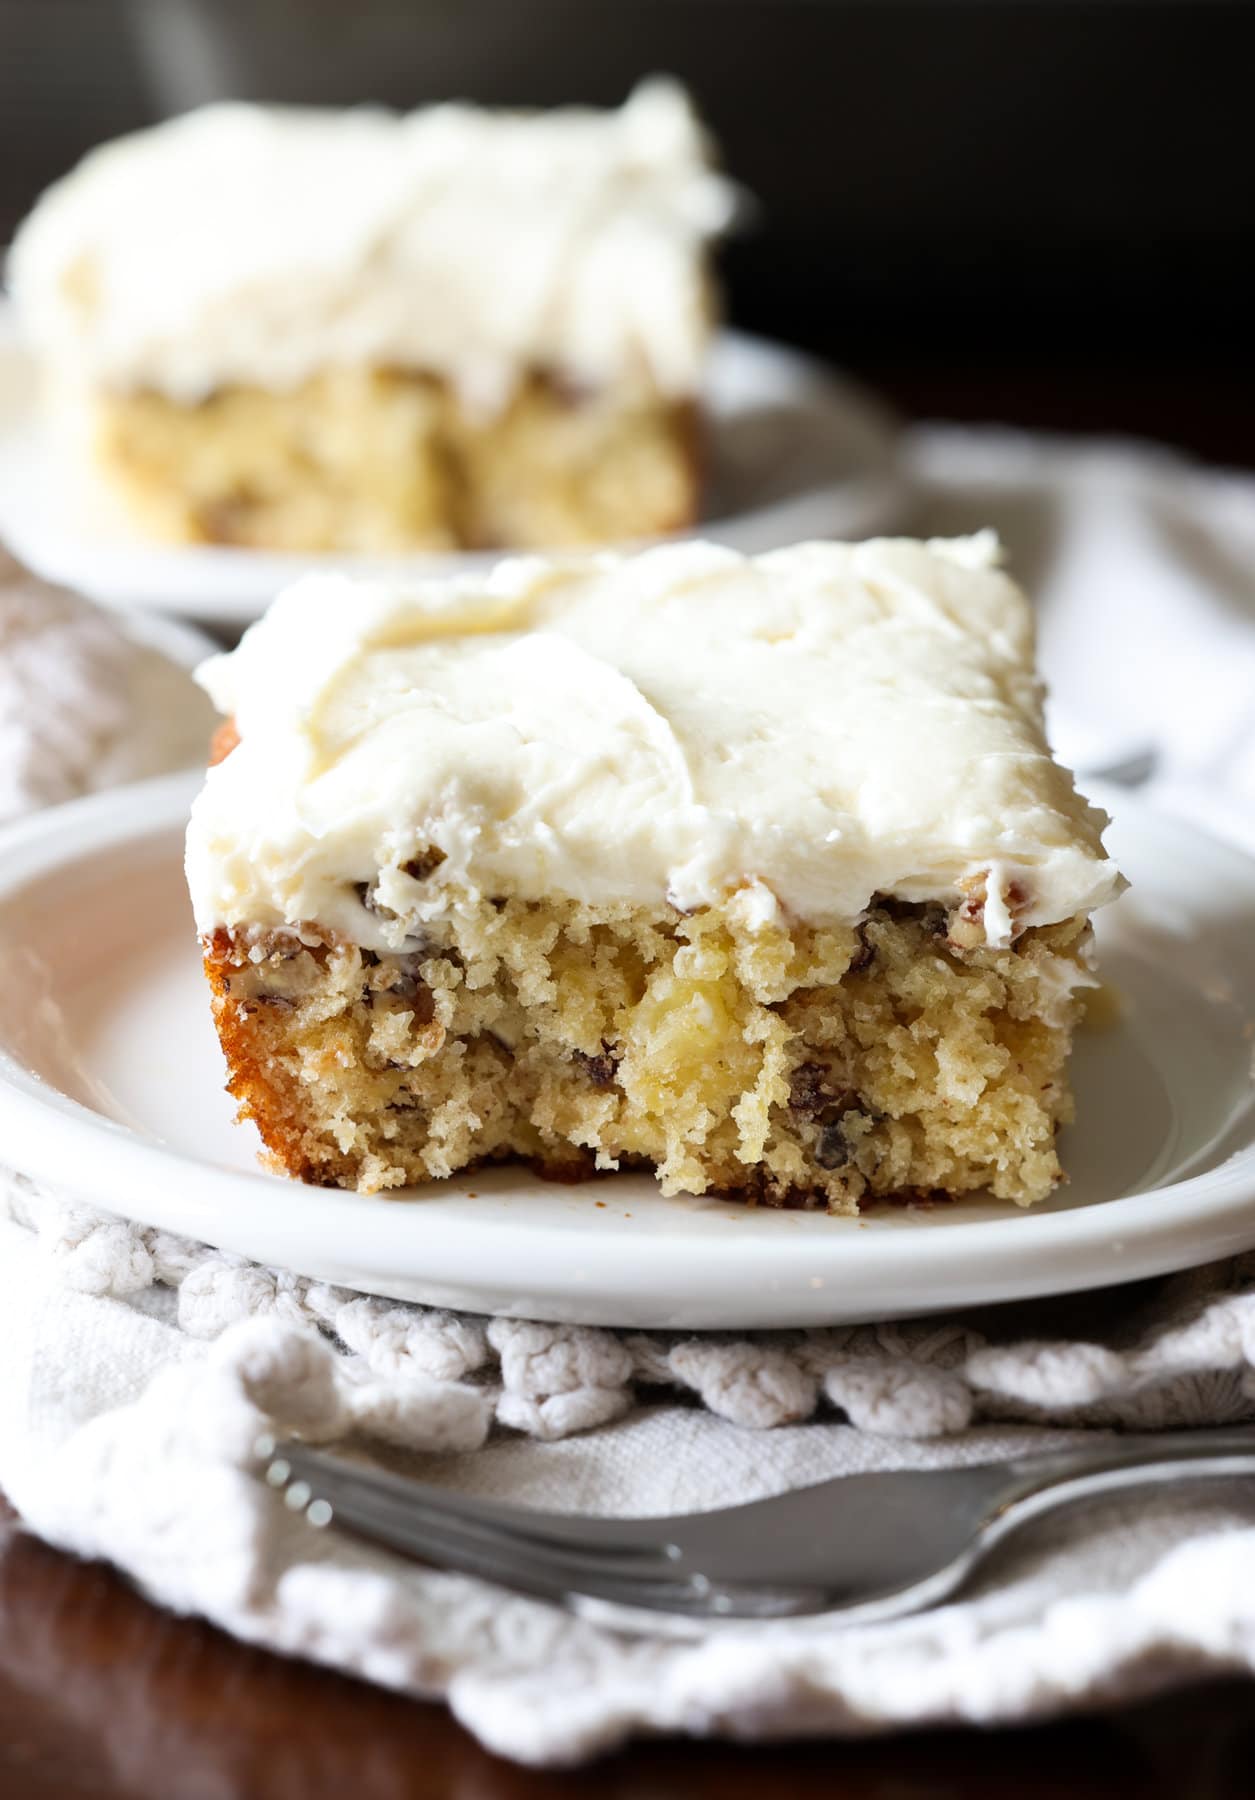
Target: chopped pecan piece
836,1146
414,993
419,867
966,925
809,1092
833,1149
965,928
863,952
601,1069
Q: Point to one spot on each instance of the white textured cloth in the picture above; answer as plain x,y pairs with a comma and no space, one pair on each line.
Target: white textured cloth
128,1413
136,1370
85,701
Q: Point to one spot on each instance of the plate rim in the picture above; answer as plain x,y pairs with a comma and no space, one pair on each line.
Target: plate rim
864,501
96,1159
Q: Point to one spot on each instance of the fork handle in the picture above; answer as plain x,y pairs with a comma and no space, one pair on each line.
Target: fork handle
1040,1484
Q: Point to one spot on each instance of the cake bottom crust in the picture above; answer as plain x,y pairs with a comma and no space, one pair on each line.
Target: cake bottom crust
786,1066
376,461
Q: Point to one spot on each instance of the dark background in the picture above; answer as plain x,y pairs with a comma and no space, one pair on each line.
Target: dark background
1042,210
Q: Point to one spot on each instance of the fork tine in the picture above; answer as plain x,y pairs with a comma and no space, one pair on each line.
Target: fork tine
636,1544
389,1509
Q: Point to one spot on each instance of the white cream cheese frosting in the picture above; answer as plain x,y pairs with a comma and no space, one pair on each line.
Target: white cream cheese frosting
255,245
799,730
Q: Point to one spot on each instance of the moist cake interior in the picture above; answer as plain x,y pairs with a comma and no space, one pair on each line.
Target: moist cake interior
795,1066
756,872
376,461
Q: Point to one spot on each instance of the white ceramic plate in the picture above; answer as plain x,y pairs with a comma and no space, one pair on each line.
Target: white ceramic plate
111,1087
796,452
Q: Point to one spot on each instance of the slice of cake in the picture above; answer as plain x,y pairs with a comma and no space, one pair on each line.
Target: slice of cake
755,871
356,331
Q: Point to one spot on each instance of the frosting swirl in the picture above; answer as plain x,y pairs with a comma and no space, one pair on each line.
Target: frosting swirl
812,727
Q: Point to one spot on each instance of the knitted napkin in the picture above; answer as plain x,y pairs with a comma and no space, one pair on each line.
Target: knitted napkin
137,1369
86,700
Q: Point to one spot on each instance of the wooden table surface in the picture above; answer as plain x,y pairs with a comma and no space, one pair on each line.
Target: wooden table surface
102,1695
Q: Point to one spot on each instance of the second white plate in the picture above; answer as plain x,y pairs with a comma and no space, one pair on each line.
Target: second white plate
111,1089
796,452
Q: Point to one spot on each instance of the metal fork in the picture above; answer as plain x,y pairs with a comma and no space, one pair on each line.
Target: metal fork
862,1547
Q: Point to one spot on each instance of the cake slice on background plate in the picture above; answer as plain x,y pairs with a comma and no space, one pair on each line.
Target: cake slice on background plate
757,872
303,329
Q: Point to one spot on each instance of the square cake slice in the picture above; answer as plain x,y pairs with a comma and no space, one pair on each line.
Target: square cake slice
753,871
305,329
